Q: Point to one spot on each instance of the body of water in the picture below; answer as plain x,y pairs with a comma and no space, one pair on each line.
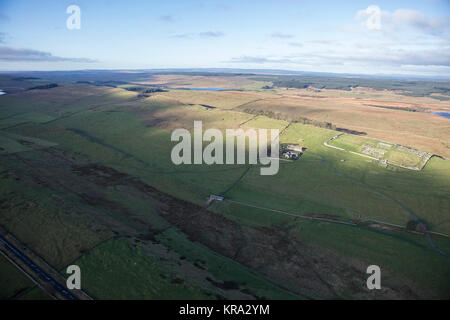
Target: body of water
207,89
443,114
2,92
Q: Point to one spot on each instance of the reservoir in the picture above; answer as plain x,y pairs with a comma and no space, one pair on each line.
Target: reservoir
207,89
443,114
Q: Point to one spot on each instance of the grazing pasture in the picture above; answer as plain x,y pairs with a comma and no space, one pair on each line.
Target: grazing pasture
86,176
12,280
394,154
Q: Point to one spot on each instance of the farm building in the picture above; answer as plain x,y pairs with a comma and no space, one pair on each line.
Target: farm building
214,197
291,154
294,147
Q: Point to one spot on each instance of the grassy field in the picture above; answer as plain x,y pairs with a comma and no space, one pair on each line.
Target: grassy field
14,284
381,150
266,123
12,143
47,221
12,280
380,247
200,81
119,270
42,191
36,294
380,116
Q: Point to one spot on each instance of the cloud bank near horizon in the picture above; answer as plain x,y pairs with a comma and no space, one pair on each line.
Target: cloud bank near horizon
21,54
347,38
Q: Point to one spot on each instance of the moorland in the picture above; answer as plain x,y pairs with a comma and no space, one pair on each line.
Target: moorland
86,178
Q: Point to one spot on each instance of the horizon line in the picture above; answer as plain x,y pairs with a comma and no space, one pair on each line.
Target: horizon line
249,70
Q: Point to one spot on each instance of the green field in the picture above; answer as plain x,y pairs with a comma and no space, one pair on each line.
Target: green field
118,270
132,242
12,143
394,154
15,284
12,280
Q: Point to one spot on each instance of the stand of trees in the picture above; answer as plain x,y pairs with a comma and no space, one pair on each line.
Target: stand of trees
295,119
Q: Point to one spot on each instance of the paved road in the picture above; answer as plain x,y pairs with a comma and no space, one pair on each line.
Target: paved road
38,271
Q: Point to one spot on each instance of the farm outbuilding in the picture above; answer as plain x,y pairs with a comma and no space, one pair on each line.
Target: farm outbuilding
291,154
215,197
294,147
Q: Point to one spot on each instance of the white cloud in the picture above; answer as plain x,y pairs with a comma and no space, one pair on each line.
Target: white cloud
258,60
282,35
296,44
371,17
416,19
435,57
397,41
381,60
206,34
20,54
211,34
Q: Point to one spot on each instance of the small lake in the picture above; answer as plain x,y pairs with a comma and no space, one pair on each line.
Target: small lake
207,89
443,114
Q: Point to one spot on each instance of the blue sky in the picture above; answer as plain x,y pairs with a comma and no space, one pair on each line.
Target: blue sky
401,37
